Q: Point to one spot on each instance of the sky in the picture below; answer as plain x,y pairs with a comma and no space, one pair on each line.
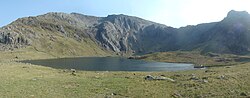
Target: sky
175,13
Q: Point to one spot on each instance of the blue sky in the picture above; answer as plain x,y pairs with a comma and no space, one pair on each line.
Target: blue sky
174,13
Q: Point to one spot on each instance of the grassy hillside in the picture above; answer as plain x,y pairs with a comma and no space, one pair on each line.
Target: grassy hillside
68,47
52,35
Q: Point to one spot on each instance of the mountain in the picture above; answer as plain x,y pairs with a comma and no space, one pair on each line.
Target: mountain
231,35
52,33
77,34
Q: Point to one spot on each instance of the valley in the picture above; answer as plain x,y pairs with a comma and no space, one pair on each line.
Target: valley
221,47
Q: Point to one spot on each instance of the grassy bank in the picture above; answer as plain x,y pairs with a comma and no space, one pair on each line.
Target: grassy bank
32,81
209,59
25,80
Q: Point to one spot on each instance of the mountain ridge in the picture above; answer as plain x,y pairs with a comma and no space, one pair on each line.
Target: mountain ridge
123,34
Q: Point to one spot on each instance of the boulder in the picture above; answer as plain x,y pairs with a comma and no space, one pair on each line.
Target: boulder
149,77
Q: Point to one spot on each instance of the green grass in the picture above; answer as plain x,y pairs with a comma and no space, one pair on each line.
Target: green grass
25,80
195,57
23,55
33,81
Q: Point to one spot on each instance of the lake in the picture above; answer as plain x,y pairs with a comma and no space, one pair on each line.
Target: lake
109,64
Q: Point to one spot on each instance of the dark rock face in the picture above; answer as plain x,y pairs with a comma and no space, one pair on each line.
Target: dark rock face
10,40
122,33
127,34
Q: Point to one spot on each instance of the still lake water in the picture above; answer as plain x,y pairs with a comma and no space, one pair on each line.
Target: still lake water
109,64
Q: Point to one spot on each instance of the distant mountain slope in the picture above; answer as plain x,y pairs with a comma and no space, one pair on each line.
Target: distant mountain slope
52,33
231,35
77,34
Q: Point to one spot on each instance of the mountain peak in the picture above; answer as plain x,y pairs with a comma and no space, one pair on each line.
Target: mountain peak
234,14
118,15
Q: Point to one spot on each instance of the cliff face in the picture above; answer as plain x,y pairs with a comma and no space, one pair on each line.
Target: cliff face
121,33
70,33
